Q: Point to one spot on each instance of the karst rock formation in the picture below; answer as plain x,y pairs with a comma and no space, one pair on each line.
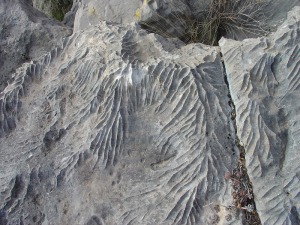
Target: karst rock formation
105,123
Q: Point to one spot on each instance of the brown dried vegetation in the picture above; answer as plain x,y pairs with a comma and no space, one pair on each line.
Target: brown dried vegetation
242,192
224,17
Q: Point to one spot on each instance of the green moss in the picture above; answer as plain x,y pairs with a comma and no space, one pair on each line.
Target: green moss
60,8
59,15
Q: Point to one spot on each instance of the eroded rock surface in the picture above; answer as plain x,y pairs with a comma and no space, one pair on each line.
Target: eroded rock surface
117,126
264,82
93,12
70,15
25,34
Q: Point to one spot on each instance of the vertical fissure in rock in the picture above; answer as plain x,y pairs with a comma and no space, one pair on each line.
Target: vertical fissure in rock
242,190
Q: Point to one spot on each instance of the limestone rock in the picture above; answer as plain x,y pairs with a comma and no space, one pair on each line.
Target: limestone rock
25,33
117,126
275,12
70,16
164,17
93,12
162,9
264,82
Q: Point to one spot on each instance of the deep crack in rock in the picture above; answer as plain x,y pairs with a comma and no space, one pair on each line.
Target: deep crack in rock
242,193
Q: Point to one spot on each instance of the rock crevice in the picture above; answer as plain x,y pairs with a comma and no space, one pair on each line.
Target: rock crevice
263,80
119,126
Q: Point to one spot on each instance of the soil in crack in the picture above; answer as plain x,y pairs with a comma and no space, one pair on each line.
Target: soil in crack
242,190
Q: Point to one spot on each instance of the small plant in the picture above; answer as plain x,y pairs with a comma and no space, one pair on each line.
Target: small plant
242,193
60,8
234,18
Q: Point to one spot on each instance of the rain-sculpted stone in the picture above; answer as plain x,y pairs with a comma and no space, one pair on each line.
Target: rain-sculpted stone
117,126
25,34
91,12
264,81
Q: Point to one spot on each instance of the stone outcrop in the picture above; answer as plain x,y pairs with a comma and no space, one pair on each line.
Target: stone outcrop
263,76
70,16
25,34
92,12
114,125
131,129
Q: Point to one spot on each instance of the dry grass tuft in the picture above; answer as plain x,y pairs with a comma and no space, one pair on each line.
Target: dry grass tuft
234,18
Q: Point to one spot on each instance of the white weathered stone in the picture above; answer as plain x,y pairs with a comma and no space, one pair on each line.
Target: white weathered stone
93,12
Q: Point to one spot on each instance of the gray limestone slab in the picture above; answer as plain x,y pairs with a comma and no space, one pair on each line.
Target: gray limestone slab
25,34
263,76
93,12
117,126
